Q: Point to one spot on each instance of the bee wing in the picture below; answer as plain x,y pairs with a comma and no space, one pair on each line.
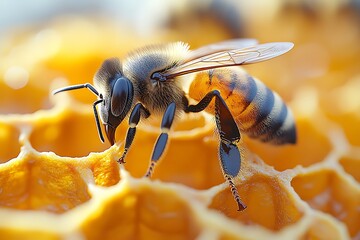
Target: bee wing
227,58
221,46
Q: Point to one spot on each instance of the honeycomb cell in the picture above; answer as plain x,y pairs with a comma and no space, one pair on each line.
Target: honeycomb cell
329,192
324,228
351,165
9,142
67,133
147,211
40,182
270,202
192,134
312,147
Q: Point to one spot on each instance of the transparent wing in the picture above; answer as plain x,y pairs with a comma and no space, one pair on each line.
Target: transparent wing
221,46
227,58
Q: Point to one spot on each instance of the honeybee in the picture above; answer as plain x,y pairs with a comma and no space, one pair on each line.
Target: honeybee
148,82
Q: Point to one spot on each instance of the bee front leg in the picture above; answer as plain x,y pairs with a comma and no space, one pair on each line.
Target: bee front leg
133,122
163,138
230,156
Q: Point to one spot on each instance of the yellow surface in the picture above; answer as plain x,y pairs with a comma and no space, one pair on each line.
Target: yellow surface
58,181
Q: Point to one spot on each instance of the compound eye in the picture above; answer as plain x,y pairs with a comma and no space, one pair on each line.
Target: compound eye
121,92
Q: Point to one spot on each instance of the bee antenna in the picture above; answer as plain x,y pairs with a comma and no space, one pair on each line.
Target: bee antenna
93,90
79,86
97,120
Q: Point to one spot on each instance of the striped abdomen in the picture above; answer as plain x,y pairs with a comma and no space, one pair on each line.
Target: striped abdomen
259,112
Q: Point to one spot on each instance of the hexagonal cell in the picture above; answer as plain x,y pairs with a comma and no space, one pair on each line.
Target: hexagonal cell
144,212
191,157
312,147
352,166
9,142
39,182
269,203
67,133
327,191
322,228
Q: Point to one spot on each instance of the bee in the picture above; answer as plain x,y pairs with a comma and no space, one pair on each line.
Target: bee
148,82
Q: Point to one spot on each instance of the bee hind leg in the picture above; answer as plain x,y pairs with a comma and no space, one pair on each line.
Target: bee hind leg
229,133
163,138
230,161
133,122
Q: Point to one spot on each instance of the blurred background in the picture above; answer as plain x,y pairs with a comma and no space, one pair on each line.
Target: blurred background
47,44
44,44
41,40
42,36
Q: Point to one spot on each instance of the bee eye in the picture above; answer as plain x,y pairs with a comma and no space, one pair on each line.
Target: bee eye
122,94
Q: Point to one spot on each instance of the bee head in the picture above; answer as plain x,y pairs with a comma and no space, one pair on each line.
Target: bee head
117,94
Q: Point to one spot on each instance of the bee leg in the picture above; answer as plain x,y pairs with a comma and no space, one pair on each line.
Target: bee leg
230,161
133,122
163,138
229,137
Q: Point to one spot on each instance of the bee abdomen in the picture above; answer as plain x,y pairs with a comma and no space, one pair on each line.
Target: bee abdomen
259,112
266,117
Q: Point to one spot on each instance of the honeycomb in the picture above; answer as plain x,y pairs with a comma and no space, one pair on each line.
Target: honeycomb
58,181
